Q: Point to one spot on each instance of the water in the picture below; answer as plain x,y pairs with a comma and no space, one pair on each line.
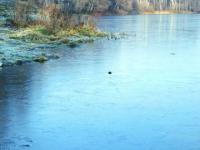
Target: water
150,102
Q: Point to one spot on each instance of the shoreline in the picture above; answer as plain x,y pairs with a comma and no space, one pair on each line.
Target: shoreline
165,12
26,45
36,43
33,44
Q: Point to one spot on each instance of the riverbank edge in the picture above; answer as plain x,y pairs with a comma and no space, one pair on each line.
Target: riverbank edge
31,43
165,12
40,38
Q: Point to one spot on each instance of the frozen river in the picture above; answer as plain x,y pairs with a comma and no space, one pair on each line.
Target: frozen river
151,101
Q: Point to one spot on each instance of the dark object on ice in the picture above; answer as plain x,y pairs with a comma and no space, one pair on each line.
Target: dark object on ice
19,62
172,53
41,59
109,72
25,145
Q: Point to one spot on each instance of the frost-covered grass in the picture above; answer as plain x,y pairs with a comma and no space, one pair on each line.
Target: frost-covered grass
34,43
19,45
40,34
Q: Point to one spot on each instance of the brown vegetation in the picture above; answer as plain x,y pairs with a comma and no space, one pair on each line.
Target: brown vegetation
56,14
172,6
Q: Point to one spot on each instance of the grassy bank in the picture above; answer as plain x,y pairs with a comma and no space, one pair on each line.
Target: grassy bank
24,40
36,43
40,34
166,12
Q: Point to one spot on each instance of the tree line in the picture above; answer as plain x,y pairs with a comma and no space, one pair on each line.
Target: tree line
178,5
122,7
66,12
126,6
